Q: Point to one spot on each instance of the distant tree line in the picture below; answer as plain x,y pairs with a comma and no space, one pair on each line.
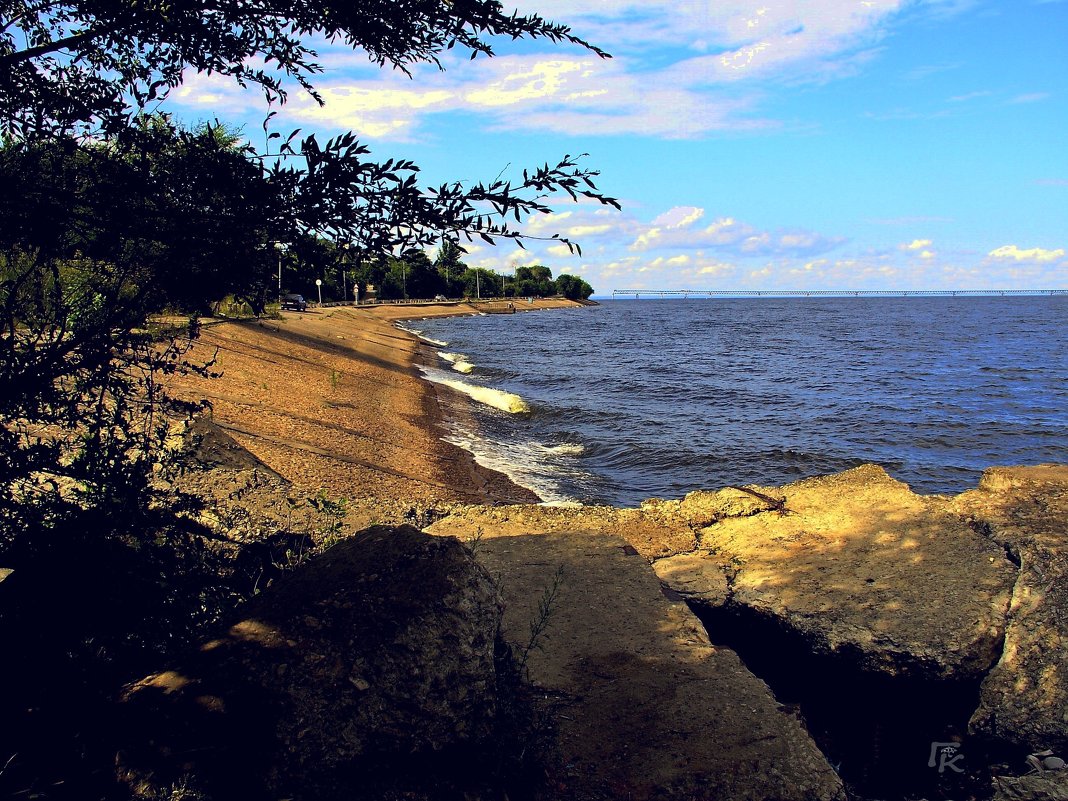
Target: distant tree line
181,219
414,275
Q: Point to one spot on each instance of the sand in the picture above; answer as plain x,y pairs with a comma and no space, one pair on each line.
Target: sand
332,401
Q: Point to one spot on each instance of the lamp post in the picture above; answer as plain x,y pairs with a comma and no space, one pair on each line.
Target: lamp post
347,260
319,286
281,247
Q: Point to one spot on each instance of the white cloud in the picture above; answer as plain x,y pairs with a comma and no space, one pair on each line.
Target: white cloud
927,70
648,90
560,251
374,109
1030,97
562,79
679,217
968,96
917,244
1036,255
752,40
726,234
569,94
919,248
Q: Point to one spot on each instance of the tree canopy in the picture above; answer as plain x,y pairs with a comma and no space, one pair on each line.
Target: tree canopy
65,64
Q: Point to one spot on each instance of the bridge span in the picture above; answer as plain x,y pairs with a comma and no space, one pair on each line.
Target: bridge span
816,293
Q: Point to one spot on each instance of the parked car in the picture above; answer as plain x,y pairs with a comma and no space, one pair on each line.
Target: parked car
295,302
440,298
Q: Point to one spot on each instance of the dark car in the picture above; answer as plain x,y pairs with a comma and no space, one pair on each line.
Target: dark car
295,302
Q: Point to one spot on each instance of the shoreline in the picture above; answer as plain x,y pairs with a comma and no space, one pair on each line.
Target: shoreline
465,405
838,571
332,401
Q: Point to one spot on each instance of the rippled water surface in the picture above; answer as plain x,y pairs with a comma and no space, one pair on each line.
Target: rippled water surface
634,399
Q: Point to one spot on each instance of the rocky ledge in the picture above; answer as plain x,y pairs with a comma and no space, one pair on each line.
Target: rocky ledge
860,600
840,635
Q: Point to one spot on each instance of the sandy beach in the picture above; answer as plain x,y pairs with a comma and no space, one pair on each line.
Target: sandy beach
332,401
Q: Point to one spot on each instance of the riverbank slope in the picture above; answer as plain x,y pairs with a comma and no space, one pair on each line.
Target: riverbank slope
330,400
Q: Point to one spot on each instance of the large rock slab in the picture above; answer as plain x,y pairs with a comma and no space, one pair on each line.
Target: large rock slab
647,707
862,567
382,650
1045,786
1024,700
697,577
657,529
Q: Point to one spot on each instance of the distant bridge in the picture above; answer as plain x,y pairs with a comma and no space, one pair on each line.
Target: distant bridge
839,293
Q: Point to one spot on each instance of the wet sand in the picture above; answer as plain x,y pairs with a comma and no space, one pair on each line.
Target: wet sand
332,401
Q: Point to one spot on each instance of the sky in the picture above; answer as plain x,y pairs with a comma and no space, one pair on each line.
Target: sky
773,144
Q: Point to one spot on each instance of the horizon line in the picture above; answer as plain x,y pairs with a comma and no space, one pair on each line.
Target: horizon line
837,292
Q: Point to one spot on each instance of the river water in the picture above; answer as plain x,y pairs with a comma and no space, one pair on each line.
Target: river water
654,398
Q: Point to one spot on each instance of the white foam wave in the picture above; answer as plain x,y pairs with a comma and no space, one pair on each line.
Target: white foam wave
517,461
544,468
417,332
567,449
458,361
497,398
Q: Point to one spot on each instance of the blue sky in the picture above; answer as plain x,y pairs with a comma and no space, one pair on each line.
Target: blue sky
819,144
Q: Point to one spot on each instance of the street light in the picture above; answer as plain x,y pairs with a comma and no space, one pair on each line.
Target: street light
347,247
281,247
319,286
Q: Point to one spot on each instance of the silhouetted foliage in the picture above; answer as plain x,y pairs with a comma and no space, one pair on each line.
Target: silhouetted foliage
535,280
86,63
573,287
450,267
181,215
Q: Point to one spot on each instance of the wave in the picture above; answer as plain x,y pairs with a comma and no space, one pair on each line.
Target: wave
567,449
458,361
497,398
418,333
525,463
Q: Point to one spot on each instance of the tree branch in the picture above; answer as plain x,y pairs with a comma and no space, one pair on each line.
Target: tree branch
30,53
